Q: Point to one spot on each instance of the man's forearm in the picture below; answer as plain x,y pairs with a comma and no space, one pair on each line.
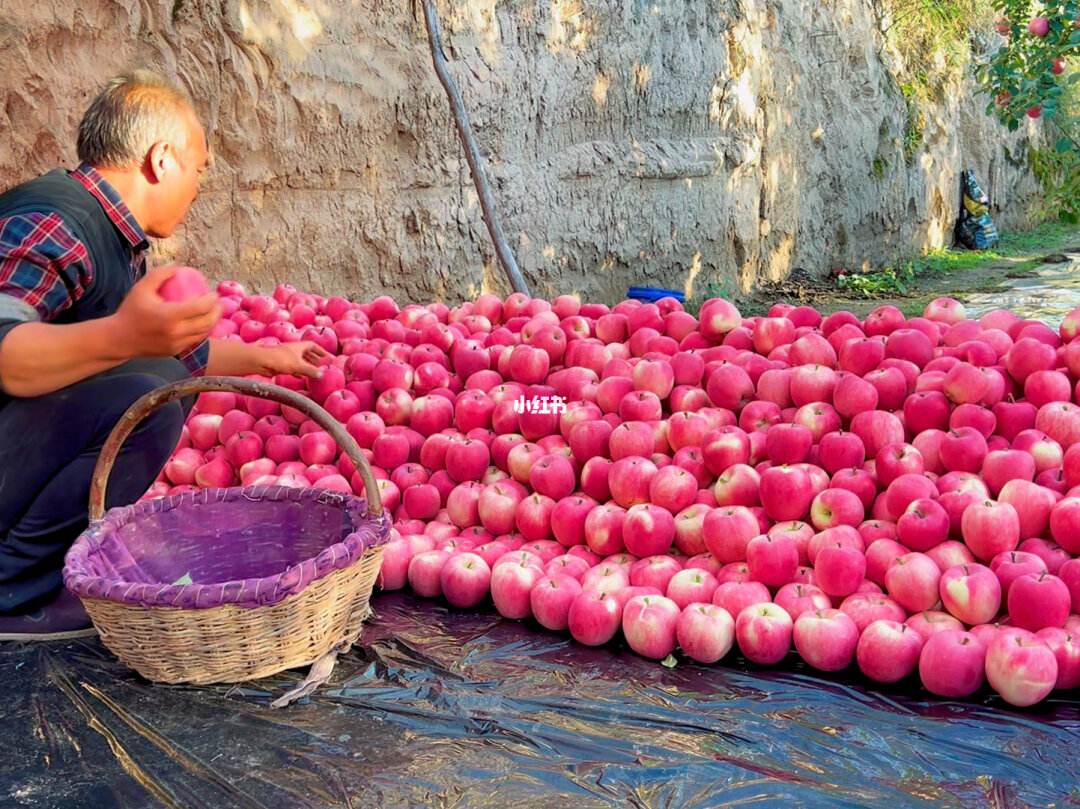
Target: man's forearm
40,358
233,358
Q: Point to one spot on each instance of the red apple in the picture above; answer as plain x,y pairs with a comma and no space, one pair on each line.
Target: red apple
888,651
568,565
425,572
739,485
826,639
691,585
923,525
550,600
568,519
990,528
654,571
838,570
950,554
735,596
785,492
860,482
951,664
630,479
705,632
834,507
1039,27
764,633
727,531
729,386
879,556
1021,668
814,383
604,529
465,579
930,622
964,383
184,283
533,518
1033,504
912,580
718,317
1065,524
553,476
1012,565
648,623
648,530
673,488
854,395
772,559
511,584
1066,648
877,429
1038,600
796,598
594,615
840,450
864,608
497,505
1052,554
905,490
1060,421
971,593
895,460
963,449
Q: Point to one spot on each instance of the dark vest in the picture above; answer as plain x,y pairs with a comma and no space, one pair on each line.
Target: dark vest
110,252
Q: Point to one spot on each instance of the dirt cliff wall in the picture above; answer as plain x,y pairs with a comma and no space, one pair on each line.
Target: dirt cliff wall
699,144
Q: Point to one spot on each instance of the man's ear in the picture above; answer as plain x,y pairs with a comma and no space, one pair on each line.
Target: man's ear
162,160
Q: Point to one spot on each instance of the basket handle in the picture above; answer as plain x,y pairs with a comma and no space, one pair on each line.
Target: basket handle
156,399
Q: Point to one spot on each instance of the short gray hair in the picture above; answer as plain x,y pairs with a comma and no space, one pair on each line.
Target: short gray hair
130,115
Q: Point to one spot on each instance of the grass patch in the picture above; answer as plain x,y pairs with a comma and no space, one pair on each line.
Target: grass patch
915,126
905,275
933,39
933,42
1047,238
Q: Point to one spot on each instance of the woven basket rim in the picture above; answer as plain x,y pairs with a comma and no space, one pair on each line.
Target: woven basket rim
368,532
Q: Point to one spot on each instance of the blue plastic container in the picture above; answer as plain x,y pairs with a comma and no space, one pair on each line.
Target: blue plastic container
653,294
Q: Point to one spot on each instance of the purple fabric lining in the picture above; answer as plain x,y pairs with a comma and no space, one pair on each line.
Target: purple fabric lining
250,546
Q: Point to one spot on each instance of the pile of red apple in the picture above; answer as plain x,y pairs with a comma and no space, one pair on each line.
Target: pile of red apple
901,494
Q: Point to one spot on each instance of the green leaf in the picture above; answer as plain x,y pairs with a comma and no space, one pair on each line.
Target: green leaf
1064,145
669,662
185,579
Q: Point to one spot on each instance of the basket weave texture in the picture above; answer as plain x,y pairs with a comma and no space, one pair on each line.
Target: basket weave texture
279,576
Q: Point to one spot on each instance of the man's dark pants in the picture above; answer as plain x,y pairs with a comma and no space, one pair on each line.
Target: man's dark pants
48,448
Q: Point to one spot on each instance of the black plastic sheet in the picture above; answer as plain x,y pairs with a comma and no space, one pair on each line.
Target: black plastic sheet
445,708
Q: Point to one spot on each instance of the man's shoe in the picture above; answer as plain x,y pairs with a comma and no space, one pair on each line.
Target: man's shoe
62,618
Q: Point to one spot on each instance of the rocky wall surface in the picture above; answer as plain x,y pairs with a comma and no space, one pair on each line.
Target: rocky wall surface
695,144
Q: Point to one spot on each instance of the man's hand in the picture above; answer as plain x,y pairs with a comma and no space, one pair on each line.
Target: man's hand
233,358
152,327
298,359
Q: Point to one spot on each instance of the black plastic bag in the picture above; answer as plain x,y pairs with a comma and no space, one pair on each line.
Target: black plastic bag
975,229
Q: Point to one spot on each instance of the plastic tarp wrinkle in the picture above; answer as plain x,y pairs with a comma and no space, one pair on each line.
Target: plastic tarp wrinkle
442,708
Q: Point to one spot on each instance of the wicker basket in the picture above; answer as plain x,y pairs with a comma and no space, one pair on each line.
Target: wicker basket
237,624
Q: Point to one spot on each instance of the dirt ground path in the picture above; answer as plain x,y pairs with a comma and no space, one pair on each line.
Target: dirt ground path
1052,257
